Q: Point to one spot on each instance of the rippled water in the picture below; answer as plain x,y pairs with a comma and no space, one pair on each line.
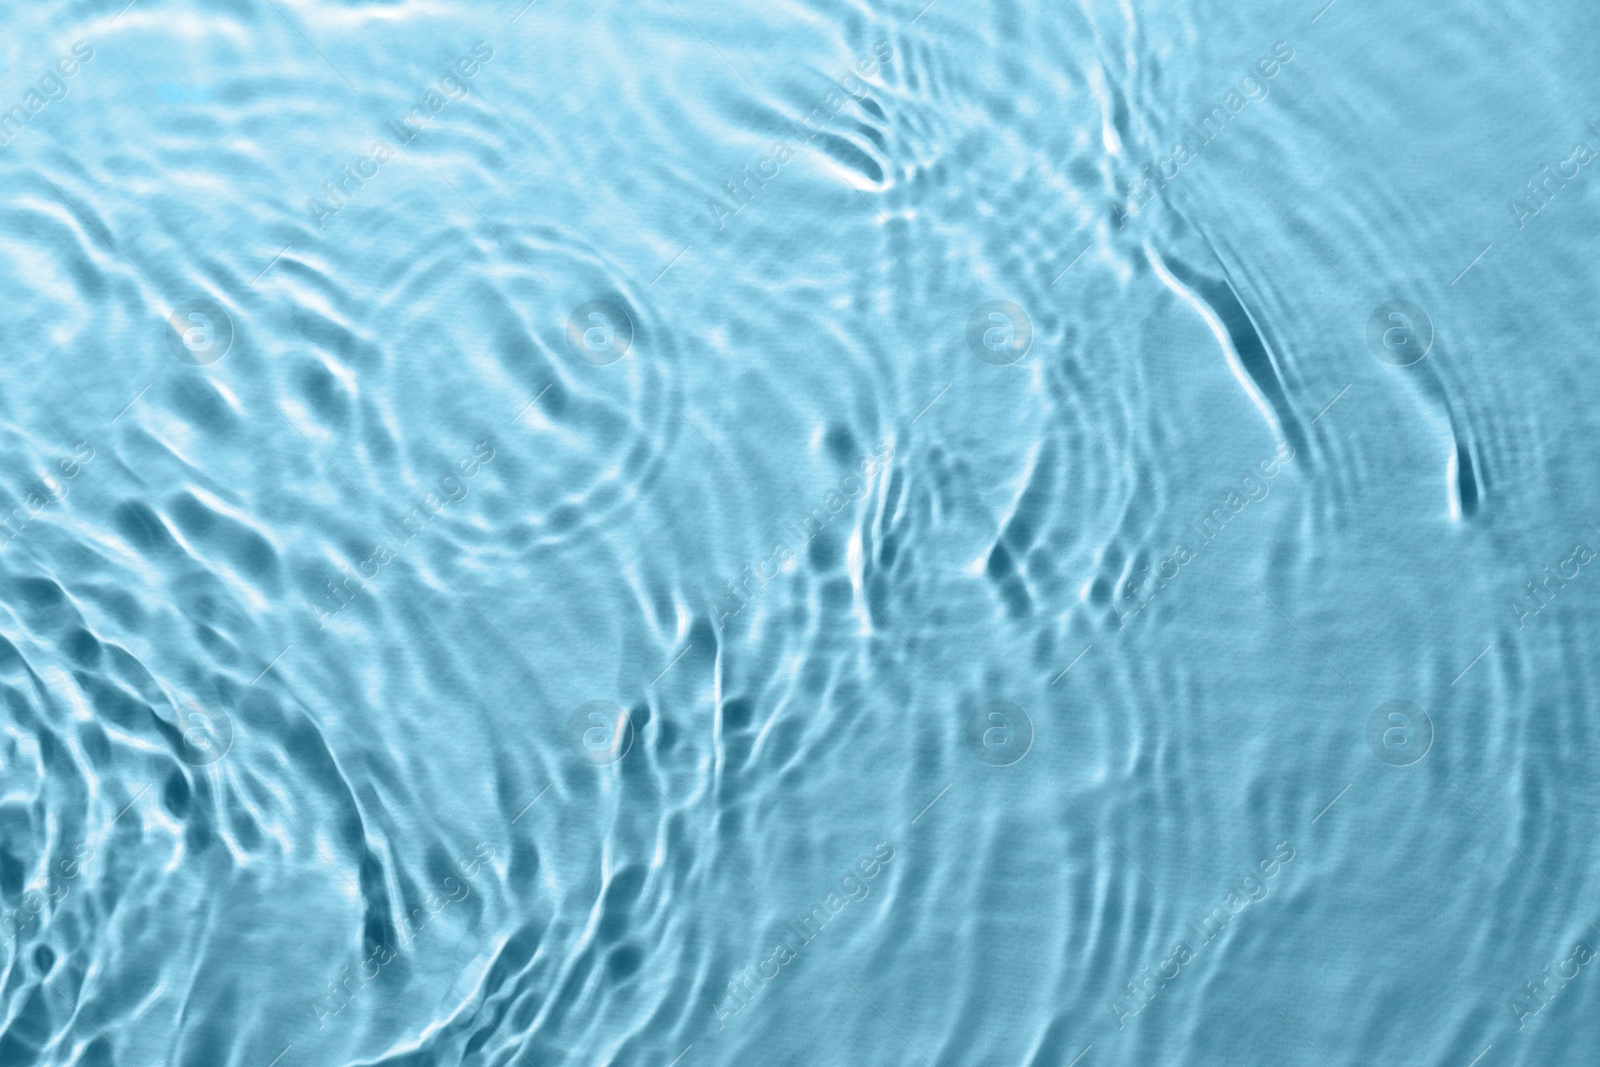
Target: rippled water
802,533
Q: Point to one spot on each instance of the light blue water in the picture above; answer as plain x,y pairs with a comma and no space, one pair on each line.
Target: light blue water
798,533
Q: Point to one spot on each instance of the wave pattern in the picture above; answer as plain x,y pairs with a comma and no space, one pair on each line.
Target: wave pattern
796,533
